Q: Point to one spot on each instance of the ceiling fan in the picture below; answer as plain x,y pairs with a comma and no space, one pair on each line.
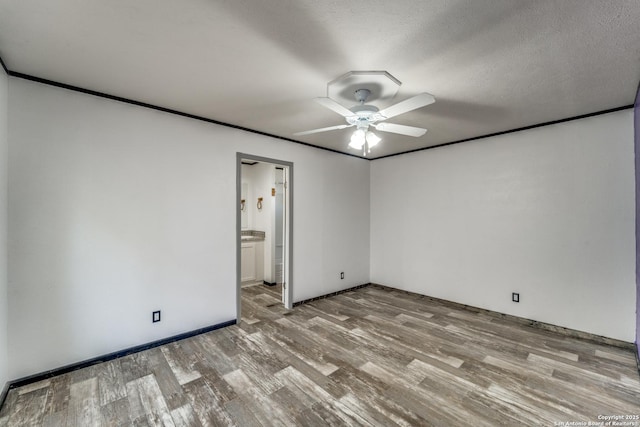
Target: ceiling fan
364,115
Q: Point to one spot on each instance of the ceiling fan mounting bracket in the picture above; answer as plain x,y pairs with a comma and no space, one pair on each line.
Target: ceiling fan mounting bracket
381,85
362,95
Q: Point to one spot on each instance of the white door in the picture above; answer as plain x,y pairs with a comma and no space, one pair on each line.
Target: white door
279,227
285,238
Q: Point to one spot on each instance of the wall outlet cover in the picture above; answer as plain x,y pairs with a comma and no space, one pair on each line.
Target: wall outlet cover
515,297
155,317
342,275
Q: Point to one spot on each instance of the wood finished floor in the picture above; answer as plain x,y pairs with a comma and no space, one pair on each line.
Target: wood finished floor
373,356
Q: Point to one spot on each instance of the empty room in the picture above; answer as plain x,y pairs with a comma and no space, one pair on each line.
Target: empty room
298,213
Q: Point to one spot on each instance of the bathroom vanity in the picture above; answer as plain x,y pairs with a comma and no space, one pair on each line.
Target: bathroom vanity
252,256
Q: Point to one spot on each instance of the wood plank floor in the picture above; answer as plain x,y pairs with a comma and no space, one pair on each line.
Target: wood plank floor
373,356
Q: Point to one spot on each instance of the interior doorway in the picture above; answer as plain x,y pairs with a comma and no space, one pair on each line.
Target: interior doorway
264,231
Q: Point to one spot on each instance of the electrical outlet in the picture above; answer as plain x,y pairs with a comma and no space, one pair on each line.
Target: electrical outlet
515,297
155,317
342,275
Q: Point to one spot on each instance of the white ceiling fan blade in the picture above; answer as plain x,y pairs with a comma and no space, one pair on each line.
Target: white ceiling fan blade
307,132
401,129
408,104
333,105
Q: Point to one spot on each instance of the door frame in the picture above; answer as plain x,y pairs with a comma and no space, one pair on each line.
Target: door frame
289,226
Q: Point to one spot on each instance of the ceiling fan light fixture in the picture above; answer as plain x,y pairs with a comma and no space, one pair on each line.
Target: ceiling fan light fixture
357,139
372,139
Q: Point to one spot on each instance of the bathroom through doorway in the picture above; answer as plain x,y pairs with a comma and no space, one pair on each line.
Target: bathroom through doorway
263,232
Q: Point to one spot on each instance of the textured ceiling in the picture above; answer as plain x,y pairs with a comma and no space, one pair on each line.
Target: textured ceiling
492,65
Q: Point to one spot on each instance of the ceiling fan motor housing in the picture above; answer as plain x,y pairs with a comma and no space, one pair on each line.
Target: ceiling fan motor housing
364,115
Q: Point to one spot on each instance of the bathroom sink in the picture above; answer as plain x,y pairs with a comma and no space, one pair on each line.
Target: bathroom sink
255,236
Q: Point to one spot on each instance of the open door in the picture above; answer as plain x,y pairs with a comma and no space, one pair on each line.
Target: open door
279,229
286,294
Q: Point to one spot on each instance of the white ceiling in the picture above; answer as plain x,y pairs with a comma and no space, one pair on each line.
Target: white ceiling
492,65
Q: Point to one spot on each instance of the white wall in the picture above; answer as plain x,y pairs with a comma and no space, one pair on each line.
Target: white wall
116,211
3,231
547,212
